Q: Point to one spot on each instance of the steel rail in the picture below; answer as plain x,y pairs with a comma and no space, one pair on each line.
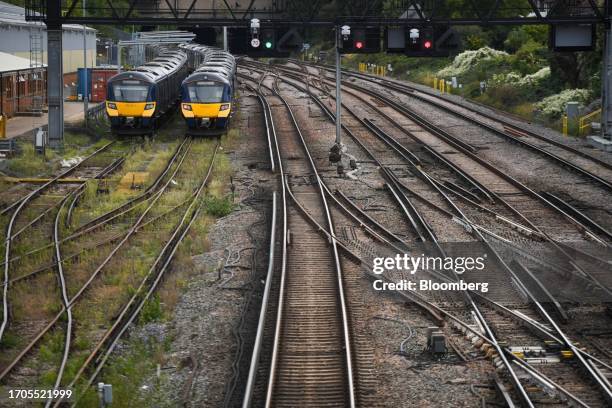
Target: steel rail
444,135
64,295
133,307
9,232
266,121
409,90
508,178
145,194
576,350
522,228
112,214
339,278
573,211
558,245
81,189
593,374
92,277
606,390
283,273
96,245
521,392
436,312
514,139
338,268
250,385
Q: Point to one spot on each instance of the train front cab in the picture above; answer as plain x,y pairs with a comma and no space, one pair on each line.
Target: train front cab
207,103
130,104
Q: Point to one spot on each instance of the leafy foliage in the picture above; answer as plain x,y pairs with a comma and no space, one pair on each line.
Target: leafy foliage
553,106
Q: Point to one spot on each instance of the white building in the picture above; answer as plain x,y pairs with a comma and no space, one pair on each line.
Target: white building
16,35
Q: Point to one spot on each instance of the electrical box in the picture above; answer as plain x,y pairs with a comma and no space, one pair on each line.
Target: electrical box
436,341
572,37
395,39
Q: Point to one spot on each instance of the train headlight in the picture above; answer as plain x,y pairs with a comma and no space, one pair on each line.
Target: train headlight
186,107
225,106
112,105
149,106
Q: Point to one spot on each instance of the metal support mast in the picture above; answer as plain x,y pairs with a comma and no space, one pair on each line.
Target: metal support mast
55,76
606,80
338,92
85,88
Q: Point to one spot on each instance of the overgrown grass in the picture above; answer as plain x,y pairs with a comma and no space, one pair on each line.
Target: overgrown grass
128,373
96,309
130,370
218,206
29,163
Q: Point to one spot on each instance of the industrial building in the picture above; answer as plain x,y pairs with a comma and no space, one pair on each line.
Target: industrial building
28,39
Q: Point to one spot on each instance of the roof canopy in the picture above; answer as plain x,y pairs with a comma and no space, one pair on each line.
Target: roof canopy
10,62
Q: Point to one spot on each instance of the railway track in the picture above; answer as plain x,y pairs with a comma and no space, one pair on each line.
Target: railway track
75,294
311,361
46,194
583,163
512,195
560,388
98,356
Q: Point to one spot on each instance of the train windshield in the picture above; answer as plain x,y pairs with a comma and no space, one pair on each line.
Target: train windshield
207,92
130,91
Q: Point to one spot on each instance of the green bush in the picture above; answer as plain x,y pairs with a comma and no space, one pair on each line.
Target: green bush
151,311
218,206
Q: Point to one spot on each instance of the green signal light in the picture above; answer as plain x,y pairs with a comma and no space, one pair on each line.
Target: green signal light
268,44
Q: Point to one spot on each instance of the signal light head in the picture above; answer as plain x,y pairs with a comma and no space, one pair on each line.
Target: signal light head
427,44
268,44
359,45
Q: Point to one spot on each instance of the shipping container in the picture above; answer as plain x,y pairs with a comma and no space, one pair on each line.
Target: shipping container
81,83
99,78
96,82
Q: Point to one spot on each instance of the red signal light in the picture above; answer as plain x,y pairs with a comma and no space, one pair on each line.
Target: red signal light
427,44
359,44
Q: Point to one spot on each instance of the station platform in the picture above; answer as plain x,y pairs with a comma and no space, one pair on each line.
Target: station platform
24,125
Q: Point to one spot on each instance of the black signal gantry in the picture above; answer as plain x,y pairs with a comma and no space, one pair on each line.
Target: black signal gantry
361,40
420,41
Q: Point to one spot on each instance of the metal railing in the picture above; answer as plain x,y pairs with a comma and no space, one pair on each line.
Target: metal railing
585,121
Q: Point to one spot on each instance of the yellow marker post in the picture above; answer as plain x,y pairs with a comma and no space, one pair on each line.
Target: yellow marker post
435,83
564,121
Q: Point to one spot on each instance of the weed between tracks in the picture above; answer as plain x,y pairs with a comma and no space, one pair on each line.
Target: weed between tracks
100,305
29,163
133,371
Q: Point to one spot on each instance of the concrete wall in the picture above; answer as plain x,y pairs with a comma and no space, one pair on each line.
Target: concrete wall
15,39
